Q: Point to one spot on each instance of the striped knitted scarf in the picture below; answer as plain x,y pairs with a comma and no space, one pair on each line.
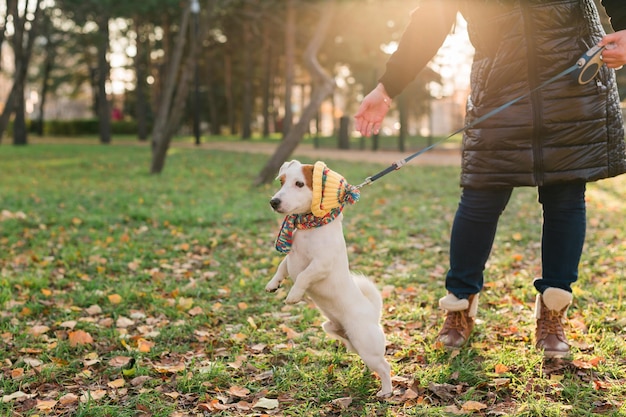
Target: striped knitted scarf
293,222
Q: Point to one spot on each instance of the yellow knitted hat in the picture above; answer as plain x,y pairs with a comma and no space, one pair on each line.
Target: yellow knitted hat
330,190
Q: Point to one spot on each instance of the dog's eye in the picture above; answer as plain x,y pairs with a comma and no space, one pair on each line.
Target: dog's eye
299,184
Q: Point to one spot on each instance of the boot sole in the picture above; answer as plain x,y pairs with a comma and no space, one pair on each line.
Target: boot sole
554,354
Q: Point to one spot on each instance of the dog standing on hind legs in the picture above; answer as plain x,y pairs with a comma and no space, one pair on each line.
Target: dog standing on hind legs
312,198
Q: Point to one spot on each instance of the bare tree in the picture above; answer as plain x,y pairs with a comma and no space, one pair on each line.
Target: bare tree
176,89
23,41
323,85
290,48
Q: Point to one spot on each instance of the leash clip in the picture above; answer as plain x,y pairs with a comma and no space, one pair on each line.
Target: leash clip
367,181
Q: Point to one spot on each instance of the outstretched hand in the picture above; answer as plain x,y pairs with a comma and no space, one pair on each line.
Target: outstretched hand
372,111
614,55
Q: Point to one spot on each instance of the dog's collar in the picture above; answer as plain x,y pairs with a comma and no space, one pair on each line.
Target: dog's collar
301,221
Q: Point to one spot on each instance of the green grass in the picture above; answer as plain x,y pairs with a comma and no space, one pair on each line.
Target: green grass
170,270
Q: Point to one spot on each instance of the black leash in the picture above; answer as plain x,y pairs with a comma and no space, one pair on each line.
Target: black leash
585,69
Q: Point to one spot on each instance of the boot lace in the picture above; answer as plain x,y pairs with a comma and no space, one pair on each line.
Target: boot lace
456,320
551,324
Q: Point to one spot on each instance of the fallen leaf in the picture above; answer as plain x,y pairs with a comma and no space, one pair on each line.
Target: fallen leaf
18,395
238,337
453,409
291,334
144,345
196,311
46,405
582,364
32,362
343,402
184,304
68,399
167,368
79,337
70,324
115,298
266,403
118,383
409,394
124,322
501,369
473,406
213,405
93,310
501,382
119,361
38,330
595,361
93,395
238,391
17,373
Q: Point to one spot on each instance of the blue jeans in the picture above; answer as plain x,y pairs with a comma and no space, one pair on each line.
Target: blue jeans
474,229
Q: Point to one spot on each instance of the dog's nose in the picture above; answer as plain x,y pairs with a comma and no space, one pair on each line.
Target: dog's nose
275,203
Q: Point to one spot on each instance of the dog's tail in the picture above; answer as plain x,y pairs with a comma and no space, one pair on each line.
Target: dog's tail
369,290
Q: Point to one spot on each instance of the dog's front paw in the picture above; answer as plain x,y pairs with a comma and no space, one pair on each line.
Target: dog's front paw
293,297
272,286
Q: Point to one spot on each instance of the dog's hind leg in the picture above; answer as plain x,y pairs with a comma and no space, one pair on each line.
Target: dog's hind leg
335,330
370,346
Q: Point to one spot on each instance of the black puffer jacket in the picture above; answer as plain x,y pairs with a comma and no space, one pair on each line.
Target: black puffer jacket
563,132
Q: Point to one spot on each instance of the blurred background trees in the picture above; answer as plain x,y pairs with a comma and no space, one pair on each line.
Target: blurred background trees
157,68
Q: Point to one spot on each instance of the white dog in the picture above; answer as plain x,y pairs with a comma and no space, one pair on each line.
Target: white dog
317,262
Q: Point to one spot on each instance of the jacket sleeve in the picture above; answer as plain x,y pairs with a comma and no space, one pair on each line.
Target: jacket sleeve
429,25
616,9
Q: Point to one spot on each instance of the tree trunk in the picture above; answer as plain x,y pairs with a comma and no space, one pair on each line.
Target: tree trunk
45,84
248,62
246,116
104,110
404,122
323,85
267,77
290,48
22,58
170,115
141,105
214,120
212,105
228,91
3,27
160,138
20,135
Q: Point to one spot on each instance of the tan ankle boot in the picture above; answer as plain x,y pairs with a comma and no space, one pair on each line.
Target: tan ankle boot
459,320
550,309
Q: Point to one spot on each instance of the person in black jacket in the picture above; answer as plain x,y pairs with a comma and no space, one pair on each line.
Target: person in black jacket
557,138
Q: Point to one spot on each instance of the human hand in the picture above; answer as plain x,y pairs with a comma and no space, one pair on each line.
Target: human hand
614,55
372,111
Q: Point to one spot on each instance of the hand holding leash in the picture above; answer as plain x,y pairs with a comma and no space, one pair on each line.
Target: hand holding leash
583,71
614,54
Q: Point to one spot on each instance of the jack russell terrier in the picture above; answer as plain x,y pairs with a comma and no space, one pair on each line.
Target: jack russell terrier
312,198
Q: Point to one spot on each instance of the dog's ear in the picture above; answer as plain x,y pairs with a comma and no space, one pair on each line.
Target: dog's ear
284,167
307,170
